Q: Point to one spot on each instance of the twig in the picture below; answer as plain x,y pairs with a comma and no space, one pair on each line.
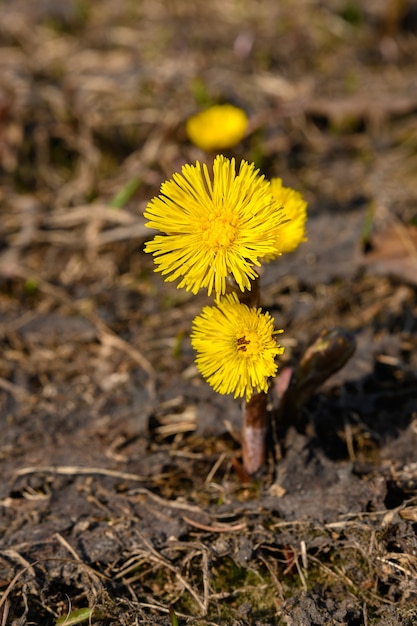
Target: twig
73,470
227,528
66,545
11,585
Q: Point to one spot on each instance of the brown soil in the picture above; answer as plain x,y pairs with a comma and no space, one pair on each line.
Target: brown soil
121,490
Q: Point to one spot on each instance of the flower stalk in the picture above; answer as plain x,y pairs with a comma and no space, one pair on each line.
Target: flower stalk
254,432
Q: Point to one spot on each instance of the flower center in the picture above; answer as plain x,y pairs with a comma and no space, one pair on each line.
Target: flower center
219,230
248,345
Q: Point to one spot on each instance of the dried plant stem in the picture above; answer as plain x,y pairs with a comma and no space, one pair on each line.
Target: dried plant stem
254,431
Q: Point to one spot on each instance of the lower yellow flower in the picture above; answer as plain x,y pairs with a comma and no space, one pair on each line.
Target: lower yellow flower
236,347
217,128
291,232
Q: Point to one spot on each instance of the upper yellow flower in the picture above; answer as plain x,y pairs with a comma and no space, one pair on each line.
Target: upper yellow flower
291,232
213,228
236,347
220,127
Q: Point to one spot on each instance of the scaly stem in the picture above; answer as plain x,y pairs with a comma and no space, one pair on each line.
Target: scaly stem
254,432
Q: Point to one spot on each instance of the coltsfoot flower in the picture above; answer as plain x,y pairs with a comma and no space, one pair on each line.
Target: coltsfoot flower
236,347
213,227
217,128
291,232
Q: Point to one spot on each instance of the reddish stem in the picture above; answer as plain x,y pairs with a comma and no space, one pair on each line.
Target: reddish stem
254,431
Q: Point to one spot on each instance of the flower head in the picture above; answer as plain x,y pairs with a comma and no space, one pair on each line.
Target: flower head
236,347
215,227
291,232
217,128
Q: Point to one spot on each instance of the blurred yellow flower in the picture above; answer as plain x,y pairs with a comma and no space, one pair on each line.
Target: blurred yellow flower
291,232
213,227
220,127
236,347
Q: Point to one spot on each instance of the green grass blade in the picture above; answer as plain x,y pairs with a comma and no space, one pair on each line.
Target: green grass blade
123,196
76,617
173,617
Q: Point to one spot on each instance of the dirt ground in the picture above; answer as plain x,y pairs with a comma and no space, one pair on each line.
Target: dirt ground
120,493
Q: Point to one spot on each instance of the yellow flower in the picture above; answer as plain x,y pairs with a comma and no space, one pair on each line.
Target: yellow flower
236,347
220,127
291,232
213,228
